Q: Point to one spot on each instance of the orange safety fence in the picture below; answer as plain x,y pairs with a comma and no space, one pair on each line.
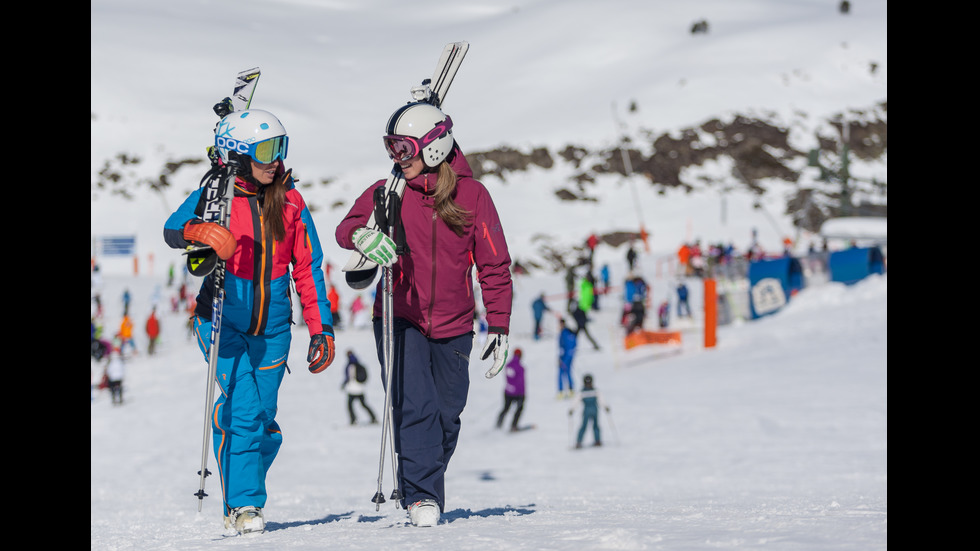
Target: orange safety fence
640,337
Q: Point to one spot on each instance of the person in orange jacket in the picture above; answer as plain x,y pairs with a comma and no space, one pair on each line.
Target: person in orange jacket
126,334
684,257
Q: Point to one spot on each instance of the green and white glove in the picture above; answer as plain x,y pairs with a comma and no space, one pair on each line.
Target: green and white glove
375,245
496,345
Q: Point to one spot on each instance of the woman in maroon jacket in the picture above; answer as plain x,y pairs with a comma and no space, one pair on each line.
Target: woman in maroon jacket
451,227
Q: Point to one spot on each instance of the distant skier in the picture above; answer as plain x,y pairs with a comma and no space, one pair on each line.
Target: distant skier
152,331
591,402
567,342
663,314
683,308
631,257
582,322
354,378
115,372
538,307
513,391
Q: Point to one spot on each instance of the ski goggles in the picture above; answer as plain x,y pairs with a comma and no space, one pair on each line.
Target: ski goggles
402,148
266,151
263,152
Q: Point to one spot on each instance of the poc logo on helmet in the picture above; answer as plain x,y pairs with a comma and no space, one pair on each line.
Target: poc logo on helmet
231,144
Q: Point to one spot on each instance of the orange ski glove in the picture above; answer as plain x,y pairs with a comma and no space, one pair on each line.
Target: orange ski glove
211,235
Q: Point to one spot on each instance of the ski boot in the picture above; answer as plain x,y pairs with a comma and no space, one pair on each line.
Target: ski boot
424,512
246,520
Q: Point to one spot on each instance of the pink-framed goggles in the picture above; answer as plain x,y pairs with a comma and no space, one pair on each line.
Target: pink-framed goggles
402,148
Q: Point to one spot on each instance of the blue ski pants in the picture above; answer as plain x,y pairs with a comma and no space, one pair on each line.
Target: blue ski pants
246,437
430,382
590,415
565,372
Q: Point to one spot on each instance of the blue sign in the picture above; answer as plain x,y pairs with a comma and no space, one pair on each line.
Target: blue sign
123,245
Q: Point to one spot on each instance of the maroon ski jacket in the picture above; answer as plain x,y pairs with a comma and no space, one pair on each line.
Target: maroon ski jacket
432,284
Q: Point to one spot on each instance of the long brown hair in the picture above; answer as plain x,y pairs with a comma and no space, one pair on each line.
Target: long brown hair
273,202
455,216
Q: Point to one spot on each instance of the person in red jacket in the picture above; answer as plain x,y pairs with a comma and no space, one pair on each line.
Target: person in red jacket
451,229
334,297
152,331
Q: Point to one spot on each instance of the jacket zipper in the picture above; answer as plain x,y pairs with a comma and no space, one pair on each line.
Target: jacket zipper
432,284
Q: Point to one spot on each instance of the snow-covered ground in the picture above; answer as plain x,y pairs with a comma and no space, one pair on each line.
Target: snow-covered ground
774,439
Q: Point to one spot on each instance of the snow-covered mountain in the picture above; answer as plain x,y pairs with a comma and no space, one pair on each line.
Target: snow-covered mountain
539,74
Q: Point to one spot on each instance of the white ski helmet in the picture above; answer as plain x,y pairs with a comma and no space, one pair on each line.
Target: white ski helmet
419,127
252,132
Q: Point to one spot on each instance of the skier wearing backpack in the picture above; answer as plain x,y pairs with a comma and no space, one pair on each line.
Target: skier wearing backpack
270,230
354,378
452,231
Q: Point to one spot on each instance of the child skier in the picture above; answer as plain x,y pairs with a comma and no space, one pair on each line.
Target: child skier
663,313
591,401
513,391
115,372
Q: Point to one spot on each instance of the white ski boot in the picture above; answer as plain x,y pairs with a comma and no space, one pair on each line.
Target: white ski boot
424,512
246,520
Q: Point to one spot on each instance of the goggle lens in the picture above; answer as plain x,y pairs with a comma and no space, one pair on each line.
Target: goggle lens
401,148
269,150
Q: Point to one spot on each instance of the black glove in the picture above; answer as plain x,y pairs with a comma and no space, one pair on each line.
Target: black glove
321,352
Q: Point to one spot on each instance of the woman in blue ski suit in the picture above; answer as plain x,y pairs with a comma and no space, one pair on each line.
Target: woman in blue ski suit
270,229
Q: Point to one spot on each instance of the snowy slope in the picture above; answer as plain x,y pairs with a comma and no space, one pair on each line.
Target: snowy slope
775,439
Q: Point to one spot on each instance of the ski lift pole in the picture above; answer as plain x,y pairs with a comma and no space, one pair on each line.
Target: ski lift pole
612,426
628,169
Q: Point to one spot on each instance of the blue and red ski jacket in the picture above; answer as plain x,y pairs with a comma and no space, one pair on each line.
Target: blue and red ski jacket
257,297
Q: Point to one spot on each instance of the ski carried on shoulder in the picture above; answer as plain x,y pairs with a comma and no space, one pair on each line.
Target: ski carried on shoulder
245,84
201,261
360,271
219,189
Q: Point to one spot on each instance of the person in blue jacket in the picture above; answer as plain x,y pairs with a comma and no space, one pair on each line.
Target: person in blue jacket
539,308
270,229
683,308
567,342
